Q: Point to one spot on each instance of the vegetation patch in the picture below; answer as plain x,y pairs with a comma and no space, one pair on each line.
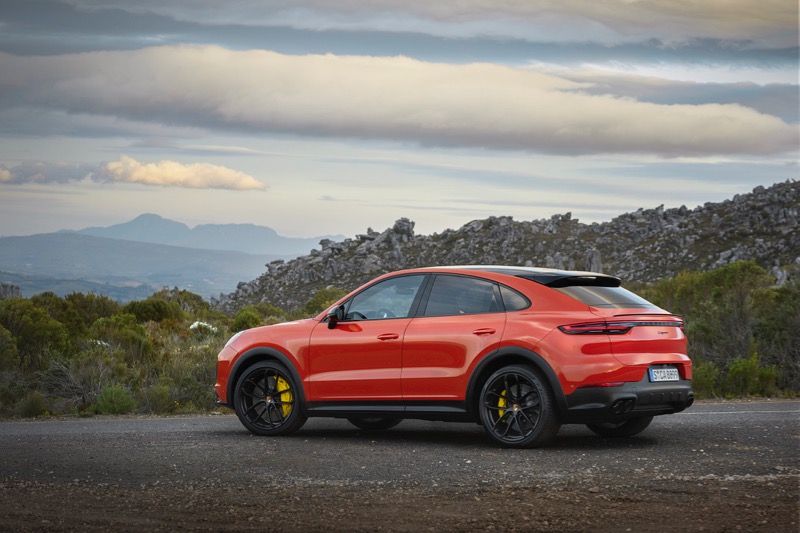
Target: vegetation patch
84,353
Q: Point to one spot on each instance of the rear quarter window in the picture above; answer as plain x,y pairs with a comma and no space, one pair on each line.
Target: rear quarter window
606,297
512,300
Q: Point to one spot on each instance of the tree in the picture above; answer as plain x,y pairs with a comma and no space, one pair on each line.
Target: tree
37,336
154,310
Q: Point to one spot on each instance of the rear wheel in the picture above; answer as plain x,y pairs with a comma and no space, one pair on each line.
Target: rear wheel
517,408
375,424
266,400
626,428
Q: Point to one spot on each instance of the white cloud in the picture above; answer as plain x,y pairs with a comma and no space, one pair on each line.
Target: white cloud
174,174
397,98
128,170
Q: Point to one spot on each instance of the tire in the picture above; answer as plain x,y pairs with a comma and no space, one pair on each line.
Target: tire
626,428
517,408
375,424
267,400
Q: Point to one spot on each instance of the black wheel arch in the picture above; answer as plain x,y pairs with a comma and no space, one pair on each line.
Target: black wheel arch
258,354
510,355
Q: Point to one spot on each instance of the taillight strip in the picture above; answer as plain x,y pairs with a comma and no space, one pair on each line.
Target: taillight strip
614,327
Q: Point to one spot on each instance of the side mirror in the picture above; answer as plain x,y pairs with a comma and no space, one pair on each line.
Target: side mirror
335,315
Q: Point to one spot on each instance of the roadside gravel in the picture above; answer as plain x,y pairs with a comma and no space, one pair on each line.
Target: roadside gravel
717,467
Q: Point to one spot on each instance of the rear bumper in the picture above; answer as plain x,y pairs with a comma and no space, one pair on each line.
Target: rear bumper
631,400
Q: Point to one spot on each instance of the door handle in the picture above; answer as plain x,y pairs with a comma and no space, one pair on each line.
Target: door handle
388,336
484,331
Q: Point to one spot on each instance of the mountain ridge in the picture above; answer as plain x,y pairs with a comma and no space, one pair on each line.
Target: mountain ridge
125,270
643,246
247,238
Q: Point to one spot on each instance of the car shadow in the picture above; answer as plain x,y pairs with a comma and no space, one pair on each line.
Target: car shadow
452,435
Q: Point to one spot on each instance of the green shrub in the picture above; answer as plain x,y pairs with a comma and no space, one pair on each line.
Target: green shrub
158,398
767,380
114,400
154,310
704,379
246,319
32,405
9,355
742,376
124,333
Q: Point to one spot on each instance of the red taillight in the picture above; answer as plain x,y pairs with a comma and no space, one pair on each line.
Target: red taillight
614,327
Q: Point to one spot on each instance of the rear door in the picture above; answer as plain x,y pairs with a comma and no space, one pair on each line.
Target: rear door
462,319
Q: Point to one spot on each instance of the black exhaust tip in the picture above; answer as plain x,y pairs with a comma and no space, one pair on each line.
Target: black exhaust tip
622,406
628,407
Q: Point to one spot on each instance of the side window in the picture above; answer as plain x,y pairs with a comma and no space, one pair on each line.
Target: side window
391,298
513,300
460,295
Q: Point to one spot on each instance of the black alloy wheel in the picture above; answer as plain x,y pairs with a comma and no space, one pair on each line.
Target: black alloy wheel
517,408
267,400
625,428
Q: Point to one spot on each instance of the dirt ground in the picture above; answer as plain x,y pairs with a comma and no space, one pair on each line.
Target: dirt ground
764,504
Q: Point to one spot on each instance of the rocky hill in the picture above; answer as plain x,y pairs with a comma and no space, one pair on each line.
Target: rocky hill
642,246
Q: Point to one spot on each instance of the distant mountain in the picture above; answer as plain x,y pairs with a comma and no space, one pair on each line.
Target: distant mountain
121,269
247,238
643,246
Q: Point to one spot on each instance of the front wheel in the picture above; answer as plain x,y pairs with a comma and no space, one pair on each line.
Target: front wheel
626,428
266,400
517,408
375,424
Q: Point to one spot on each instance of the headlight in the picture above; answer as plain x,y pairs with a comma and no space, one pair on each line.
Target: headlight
233,338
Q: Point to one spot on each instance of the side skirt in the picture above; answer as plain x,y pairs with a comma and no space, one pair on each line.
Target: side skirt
441,411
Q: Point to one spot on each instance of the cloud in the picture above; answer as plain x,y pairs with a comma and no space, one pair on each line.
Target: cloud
44,172
396,98
174,174
763,22
128,170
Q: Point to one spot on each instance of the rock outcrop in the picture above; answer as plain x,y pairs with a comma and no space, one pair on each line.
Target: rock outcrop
643,246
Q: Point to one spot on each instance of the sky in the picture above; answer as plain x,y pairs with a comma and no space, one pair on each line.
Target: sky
328,117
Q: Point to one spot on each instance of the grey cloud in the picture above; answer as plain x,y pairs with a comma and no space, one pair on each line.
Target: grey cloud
44,172
769,22
398,98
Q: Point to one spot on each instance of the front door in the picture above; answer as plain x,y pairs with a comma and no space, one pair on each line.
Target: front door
361,357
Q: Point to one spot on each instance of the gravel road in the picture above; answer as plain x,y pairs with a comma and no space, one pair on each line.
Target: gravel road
720,466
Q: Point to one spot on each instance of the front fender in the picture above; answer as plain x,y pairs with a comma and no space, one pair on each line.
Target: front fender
263,353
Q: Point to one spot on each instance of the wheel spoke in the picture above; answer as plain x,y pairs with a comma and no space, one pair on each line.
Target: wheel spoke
522,432
499,421
531,422
254,407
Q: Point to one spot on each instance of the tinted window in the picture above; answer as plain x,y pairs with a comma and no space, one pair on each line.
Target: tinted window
606,297
513,300
460,295
390,298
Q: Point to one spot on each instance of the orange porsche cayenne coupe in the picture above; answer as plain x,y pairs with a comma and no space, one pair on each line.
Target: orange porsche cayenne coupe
519,350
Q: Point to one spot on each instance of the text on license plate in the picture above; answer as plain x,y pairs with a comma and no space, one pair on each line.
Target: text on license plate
664,374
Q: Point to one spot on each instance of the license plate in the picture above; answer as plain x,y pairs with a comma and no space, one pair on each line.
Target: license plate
664,374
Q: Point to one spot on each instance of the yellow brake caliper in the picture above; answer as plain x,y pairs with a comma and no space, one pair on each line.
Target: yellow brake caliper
286,397
501,402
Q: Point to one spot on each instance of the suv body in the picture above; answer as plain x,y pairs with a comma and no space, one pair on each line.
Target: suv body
519,350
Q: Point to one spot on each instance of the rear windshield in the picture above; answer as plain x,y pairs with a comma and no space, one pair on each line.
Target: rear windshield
606,297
